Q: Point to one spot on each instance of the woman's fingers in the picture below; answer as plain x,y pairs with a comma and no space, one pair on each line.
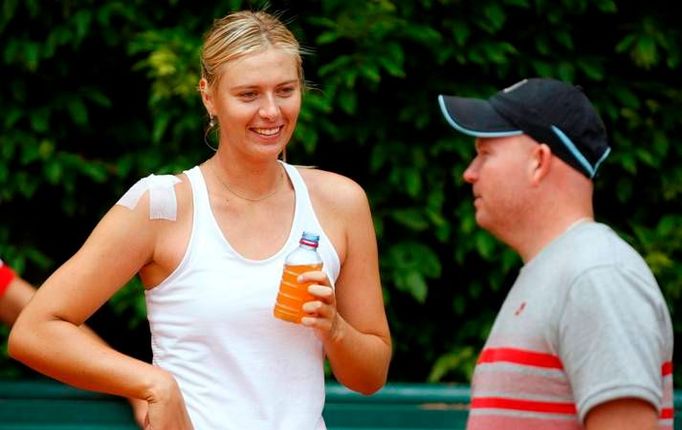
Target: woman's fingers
322,292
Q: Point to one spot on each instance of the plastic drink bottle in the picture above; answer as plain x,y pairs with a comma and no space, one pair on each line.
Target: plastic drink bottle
293,294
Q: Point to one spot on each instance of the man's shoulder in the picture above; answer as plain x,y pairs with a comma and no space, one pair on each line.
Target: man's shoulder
596,244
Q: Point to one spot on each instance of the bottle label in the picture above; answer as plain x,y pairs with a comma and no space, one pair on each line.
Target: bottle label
292,294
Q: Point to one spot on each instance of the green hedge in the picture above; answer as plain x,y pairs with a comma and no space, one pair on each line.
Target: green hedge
96,94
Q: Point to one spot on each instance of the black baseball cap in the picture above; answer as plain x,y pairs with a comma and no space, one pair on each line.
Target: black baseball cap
548,110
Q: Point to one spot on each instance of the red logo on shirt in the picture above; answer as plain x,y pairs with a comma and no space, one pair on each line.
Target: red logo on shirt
520,309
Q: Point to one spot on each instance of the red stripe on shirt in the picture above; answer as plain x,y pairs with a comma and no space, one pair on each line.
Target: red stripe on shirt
667,413
523,405
6,276
667,368
520,356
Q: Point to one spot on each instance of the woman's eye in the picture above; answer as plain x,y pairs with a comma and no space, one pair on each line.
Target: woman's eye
286,91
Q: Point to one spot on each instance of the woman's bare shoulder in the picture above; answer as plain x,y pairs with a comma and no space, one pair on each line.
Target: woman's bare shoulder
332,188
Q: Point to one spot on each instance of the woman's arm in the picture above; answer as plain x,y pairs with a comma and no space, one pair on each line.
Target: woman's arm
14,300
351,320
48,337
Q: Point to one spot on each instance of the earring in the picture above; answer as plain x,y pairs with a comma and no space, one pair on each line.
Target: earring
211,125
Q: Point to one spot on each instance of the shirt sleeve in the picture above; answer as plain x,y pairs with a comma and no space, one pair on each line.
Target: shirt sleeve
612,338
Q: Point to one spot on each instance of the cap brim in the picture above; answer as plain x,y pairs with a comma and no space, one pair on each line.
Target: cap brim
475,117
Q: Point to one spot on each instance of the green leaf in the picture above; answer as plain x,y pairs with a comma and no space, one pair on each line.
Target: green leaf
12,116
29,153
518,3
566,71
98,97
82,20
607,6
645,52
370,71
327,37
77,110
591,68
455,361
496,16
40,120
414,283
461,31
378,157
160,126
393,62
339,63
412,218
46,149
53,171
564,38
413,181
31,55
485,244
348,101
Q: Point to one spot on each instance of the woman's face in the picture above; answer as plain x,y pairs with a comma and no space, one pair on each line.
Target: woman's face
256,100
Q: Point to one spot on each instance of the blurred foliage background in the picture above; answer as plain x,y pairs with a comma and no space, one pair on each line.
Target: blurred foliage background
96,94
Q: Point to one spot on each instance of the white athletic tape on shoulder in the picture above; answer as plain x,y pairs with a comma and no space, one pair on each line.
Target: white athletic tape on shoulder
162,201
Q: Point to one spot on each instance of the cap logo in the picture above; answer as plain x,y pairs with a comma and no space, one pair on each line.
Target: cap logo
515,86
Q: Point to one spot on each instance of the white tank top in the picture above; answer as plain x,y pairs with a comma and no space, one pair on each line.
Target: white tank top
212,327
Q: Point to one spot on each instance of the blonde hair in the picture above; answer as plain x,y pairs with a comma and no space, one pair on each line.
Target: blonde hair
243,33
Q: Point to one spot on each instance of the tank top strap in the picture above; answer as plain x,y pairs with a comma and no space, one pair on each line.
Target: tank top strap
198,185
304,214
306,219
302,197
202,220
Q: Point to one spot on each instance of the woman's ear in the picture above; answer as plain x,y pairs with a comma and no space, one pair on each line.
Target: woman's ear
541,162
206,96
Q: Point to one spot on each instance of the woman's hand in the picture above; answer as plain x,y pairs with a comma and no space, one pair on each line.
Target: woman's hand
140,408
167,410
321,314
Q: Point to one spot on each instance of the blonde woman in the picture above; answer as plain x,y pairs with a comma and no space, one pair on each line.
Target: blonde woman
209,245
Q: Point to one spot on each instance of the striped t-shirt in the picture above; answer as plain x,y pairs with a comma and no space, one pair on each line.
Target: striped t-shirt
584,323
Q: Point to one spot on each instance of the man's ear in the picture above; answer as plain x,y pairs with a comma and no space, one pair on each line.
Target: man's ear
206,96
541,162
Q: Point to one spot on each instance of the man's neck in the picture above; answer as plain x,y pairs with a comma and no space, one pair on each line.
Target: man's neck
536,237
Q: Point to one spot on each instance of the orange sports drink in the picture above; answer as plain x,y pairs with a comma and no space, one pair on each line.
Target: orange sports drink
293,294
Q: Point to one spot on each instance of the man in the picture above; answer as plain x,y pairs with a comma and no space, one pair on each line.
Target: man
15,294
584,338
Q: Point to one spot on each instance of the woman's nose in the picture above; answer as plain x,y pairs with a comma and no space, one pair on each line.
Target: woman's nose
269,108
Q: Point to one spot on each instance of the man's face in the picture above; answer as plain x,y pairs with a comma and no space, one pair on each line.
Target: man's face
500,176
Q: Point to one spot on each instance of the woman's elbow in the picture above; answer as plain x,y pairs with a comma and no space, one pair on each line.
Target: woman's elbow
369,384
14,343
19,341
370,387
375,383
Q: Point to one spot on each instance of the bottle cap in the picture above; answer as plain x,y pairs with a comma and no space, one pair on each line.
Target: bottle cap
310,239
